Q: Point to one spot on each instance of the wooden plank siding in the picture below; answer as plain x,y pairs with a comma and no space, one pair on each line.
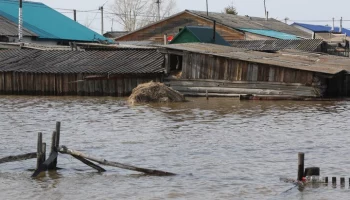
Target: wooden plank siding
172,25
201,66
70,84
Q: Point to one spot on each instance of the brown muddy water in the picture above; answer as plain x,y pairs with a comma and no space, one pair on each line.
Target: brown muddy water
221,148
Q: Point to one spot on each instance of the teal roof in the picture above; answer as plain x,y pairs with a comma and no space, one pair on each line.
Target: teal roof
271,33
47,23
203,34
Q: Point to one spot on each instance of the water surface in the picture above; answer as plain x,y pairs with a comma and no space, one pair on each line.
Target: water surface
221,148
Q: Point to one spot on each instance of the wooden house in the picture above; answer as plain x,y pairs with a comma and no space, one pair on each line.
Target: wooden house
230,27
199,69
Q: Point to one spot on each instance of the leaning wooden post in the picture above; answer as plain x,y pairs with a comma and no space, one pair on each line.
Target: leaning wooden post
53,165
43,152
58,133
301,157
39,150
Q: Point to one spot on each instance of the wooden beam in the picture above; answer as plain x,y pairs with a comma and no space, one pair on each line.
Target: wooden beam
18,157
65,150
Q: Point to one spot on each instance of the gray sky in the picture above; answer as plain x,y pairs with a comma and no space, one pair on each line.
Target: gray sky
304,11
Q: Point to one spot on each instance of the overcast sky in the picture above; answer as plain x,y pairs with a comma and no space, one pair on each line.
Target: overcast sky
304,11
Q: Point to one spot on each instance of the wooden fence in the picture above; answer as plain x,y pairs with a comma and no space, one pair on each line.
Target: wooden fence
21,83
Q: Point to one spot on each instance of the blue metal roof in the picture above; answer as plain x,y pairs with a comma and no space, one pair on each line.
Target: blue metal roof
271,33
320,28
47,23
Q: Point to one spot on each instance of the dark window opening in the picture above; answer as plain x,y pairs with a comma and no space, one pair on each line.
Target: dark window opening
176,65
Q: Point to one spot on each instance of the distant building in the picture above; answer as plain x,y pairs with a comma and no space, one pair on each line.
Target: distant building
337,39
230,27
44,25
115,34
191,34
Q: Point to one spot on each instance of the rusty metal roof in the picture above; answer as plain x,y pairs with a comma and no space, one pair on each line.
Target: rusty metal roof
315,62
123,61
247,22
276,45
8,28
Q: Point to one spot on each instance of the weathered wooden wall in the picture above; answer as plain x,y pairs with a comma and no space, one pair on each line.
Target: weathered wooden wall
70,84
201,66
172,25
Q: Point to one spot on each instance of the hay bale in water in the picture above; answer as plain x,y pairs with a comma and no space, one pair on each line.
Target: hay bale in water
154,92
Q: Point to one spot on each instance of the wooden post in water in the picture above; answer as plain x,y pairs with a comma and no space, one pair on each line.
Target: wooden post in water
301,157
43,151
39,150
53,165
334,180
58,133
326,180
342,181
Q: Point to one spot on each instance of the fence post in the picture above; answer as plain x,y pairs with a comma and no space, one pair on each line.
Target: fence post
301,157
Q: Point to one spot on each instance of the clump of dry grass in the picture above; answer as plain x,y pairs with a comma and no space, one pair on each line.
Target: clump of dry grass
154,92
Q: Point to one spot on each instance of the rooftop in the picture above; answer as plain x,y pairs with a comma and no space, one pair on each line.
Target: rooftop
9,28
203,34
47,23
276,45
251,23
123,61
315,62
320,28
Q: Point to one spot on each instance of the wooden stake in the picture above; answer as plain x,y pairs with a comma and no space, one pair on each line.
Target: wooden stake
43,152
326,180
65,150
342,181
53,165
301,157
334,180
39,150
18,157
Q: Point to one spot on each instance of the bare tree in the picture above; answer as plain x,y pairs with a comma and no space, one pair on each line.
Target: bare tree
230,9
133,14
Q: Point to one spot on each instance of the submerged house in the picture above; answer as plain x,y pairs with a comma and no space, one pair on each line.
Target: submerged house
230,27
88,73
216,70
43,25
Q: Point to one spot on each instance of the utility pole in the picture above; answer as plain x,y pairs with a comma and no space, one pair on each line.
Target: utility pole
75,14
101,9
158,2
207,8
20,21
265,8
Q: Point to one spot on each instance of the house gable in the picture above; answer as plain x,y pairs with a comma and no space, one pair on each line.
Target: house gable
172,25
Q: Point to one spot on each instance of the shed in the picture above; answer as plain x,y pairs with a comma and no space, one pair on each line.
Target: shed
88,73
191,34
226,71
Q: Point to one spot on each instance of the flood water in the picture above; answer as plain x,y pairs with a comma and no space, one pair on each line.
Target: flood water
221,148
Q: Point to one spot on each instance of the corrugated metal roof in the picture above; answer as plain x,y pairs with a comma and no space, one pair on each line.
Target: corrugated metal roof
287,58
203,34
246,22
271,33
276,45
48,23
8,28
320,28
124,61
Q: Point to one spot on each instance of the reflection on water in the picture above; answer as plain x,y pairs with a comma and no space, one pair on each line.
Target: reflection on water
222,148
